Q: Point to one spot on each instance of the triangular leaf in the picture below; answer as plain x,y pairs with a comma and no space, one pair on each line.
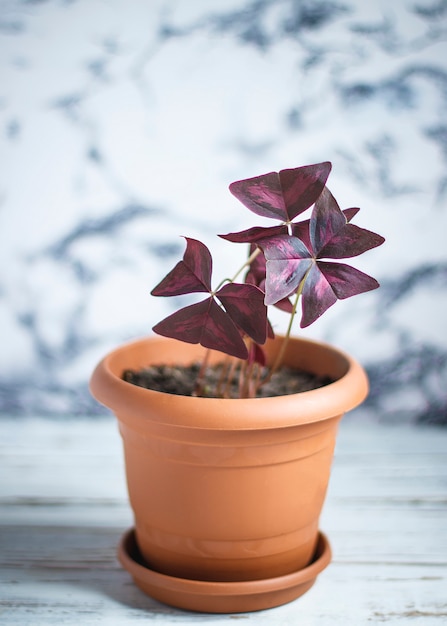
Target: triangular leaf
302,186
288,260
262,195
256,276
349,242
245,305
317,297
301,229
332,236
254,234
350,213
207,324
346,281
327,282
191,275
282,195
284,305
326,222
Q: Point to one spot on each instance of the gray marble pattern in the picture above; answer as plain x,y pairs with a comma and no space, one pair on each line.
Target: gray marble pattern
122,125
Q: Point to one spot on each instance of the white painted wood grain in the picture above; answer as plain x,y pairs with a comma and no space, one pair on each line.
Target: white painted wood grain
63,508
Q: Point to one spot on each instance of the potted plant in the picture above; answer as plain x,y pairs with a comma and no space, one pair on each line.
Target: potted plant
227,486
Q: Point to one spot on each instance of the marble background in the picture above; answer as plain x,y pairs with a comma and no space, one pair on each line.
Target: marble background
122,125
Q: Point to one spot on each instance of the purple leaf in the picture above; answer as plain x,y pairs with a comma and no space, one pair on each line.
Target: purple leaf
254,234
350,213
282,195
284,305
256,276
332,236
327,220
328,282
350,242
262,195
245,305
317,297
191,275
346,281
302,186
288,260
301,229
207,324
256,272
257,355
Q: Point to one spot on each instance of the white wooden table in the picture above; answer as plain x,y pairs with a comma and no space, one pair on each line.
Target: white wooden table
63,508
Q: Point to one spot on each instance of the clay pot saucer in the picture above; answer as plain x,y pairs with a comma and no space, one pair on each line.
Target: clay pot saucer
221,597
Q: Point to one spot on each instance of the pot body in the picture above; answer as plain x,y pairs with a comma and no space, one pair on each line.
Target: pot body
228,490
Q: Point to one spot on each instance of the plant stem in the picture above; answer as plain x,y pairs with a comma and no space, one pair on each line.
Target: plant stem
247,263
198,388
243,379
199,384
224,370
280,355
227,389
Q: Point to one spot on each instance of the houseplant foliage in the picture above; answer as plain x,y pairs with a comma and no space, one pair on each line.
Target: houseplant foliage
227,492
287,262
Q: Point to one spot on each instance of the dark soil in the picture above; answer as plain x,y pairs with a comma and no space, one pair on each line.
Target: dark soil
181,380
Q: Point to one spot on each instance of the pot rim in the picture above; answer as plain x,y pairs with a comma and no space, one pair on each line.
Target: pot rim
332,400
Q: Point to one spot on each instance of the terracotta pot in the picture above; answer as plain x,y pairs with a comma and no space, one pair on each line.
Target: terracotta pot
228,490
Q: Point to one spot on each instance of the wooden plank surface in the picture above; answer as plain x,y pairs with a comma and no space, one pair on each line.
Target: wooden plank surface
63,509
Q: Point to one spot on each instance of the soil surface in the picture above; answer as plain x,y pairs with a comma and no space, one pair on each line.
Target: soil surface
181,380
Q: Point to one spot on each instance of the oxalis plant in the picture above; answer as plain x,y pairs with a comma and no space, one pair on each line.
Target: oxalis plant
287,265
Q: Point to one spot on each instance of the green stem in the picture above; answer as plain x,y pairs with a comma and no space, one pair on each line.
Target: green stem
280,355
247,263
